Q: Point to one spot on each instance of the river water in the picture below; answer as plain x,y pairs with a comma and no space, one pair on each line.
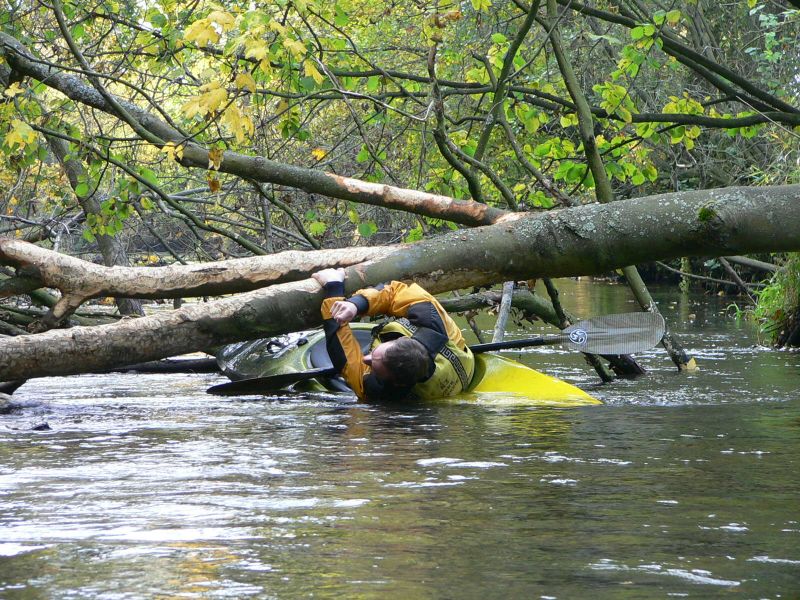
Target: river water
681,485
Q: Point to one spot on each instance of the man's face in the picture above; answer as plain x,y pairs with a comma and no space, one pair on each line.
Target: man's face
375,361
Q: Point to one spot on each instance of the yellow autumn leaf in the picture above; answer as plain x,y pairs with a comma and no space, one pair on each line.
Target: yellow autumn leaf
224,19
213,184
310,69
201,32
298,49
246,81
215,158
15,89
20,134
173,151
191,108
319,153
213,96
277,28
256,49
239,123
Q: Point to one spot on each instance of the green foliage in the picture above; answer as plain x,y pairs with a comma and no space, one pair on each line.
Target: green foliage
780,299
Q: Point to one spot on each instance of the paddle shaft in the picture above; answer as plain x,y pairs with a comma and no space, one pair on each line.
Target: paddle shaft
523,343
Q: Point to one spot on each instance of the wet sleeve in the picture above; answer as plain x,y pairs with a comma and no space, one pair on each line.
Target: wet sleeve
343,349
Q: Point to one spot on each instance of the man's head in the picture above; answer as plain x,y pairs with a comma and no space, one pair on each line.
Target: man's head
403,361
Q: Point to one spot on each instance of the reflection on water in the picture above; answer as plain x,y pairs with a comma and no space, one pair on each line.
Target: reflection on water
682,485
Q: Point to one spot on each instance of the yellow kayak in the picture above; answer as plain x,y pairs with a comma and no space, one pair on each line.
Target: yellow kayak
497,380
505,381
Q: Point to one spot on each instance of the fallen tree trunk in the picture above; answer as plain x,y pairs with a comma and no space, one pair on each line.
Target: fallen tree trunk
575,241
79,280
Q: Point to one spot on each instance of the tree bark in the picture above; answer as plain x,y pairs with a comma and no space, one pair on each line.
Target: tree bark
582,240
80,280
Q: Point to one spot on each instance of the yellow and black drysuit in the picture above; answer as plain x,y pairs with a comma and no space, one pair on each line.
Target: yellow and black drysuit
417,315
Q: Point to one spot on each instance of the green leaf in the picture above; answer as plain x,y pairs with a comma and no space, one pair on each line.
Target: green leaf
82,189
367,229
363,155
576,173
158,20
676,134
543,149
673,17
414,235
341,19
148,175
637,33
317,228
499,38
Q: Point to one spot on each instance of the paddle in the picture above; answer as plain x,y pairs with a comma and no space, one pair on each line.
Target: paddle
626,333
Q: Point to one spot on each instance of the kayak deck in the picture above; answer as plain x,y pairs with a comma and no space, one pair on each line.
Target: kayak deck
507,381
497,380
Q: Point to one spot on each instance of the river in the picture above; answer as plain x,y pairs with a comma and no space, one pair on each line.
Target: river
681,485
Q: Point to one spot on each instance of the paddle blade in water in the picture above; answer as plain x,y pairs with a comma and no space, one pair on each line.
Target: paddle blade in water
258,385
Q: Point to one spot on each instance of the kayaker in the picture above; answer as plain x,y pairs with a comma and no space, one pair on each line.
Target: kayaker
420,354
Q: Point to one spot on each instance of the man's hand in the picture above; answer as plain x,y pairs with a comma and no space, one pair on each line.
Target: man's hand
328,275
343,311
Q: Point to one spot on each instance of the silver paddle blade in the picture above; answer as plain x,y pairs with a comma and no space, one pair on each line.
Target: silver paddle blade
625,333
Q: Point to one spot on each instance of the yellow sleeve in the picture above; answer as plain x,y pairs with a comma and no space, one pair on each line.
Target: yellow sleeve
394,299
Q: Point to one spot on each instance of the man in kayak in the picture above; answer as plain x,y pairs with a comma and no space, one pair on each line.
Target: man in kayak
419,354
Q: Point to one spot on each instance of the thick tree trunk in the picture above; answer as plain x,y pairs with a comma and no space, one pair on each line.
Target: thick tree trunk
576,241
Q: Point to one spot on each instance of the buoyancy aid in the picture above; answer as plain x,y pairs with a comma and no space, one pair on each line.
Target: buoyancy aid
453,367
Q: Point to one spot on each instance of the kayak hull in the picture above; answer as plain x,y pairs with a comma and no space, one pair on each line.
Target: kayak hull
497,379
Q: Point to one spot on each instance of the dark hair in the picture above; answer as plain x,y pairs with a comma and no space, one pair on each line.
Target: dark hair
407,360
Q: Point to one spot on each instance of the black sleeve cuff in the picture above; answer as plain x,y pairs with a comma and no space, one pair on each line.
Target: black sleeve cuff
334,289
361,303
